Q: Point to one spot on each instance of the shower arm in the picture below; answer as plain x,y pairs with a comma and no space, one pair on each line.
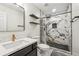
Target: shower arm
76,17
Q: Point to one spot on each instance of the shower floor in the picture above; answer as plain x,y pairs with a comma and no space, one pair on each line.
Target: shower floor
59,46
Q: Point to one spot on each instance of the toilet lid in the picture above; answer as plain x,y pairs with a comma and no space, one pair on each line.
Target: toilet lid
43,46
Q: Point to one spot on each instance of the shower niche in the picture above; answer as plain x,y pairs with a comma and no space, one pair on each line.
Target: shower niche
54,25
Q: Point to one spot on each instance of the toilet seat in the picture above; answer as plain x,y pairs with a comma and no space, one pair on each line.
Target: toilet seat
43,46
44,50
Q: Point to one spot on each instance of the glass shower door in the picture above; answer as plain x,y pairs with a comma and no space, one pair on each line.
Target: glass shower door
58,31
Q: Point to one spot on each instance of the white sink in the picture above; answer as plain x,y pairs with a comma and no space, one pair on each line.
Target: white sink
14,44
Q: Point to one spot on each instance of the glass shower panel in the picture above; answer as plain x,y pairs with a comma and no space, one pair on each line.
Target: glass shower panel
58,31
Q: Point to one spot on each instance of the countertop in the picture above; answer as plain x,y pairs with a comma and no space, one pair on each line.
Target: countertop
5,52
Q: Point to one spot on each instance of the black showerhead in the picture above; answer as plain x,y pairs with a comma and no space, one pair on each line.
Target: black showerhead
76,17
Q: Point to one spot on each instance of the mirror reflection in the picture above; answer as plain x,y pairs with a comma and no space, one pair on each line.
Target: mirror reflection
11,17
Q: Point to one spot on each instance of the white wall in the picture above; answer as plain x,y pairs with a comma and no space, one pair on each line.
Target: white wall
75,30
30,30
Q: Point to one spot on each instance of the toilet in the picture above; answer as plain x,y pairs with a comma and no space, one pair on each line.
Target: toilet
44,50
43,46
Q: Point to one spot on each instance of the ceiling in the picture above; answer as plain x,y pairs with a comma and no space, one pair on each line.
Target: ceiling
47,7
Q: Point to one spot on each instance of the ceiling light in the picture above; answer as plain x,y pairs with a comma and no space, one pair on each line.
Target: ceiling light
53,10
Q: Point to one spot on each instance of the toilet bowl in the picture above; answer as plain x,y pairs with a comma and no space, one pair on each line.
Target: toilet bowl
40,45
44,50
43,46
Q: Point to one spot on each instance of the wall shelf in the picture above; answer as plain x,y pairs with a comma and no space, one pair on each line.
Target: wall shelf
34,16
34,23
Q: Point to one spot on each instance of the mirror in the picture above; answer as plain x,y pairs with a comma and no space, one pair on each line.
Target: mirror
11,17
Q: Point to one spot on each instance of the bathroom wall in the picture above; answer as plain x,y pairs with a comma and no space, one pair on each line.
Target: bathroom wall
31,30
75,29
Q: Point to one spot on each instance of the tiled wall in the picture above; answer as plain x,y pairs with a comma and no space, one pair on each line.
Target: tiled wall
61,34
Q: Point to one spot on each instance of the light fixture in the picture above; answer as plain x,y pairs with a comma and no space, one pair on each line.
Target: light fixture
53,10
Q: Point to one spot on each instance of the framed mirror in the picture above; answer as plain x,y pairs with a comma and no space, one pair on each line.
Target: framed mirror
12,17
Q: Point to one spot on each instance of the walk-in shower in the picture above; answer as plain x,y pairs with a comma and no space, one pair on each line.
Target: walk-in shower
55,28
58,31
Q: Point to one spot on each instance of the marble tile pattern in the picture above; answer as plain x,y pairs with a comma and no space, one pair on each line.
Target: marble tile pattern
61,34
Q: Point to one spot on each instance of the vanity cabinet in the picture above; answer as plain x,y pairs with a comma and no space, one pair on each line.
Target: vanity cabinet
30,50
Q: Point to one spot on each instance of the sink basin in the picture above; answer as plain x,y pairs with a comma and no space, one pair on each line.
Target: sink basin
14,44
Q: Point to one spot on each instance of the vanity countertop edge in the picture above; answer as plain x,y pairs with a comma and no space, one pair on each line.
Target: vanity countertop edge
6,52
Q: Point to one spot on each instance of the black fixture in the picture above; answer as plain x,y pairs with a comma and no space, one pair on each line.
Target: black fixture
76,17
34,16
